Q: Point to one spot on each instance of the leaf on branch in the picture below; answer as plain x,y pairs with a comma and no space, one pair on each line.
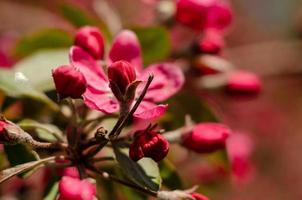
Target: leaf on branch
16,85
48,132
155,43
10,172
145,172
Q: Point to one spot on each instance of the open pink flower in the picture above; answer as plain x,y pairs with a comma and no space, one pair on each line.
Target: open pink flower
168,78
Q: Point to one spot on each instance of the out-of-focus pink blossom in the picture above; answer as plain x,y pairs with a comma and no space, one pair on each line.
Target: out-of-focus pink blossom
198,196
211,43
76,189
243,82
5,61
71,172
126,47
91,40
206,137
203,14
69,82
240,148
150,144
219,16
168,79
193,13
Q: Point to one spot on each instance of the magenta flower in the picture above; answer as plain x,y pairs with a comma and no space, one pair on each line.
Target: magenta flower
76,189
168,78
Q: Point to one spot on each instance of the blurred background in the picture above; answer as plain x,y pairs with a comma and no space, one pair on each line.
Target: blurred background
265,38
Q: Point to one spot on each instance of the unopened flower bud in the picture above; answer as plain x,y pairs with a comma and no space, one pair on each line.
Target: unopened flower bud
91,40
243,82
150,144
69,82
211,43
3,124
121,74
199,196
76,189
192,13
206,137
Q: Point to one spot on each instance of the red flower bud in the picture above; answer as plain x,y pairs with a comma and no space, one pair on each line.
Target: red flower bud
243,82
199,196
122,74
192,13
3,124
69,82
91,40
148,144
206,137
211,43
76,189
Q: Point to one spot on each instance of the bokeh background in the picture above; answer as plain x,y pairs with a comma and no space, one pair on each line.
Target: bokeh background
265,38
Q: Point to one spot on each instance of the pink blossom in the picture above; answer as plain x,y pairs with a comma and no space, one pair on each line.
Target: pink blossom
198,196
168,78
219,16
76,189
239,149
243,82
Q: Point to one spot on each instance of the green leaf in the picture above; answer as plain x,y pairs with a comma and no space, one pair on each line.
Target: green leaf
19,154
155,43
145,172
45,39
48,132
79,18
53,191
37,67
18,169
169,175
12,86
187,103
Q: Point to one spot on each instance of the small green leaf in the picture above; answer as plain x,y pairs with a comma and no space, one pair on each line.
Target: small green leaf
155,43
37,67
145,172
79,18
18,169
53,191
48,132
169,175
13,86
45,39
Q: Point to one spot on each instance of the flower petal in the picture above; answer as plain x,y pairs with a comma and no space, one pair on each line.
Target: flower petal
126,47
150,111
104,102
168,79
93,73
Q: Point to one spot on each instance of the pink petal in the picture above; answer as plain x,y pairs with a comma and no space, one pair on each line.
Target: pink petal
104,102
126,47
168,79
93,73
150,111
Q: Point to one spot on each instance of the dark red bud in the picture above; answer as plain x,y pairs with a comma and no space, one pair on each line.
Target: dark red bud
206,137
211,43
122,74
69,82
91,40
149,144
3,125
199,196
